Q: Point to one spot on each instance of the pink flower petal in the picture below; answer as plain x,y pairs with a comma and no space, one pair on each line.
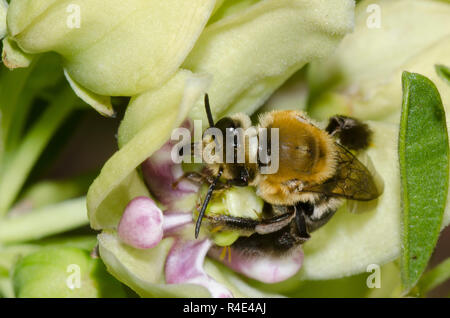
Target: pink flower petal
160,173
173,221
184,265
264,268
141,225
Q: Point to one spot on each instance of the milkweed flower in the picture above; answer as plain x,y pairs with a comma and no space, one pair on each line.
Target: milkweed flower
239,58
166,55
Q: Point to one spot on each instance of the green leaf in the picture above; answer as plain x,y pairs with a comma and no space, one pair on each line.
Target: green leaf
434,277
45,221
424,170
20,163
444,72
53,191
19,91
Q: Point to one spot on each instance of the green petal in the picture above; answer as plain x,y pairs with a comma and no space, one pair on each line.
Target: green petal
119,49
382,100
100,103
143,271
293,94
13,57
146,127
228,8
3,12
363,76
252,52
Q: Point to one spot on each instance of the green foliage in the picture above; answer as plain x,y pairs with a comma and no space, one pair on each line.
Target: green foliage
424,168
444,72
63,272
434,277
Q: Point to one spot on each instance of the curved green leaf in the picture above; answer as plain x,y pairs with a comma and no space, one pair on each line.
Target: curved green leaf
424,169
20,164
444,72
434,277
44,221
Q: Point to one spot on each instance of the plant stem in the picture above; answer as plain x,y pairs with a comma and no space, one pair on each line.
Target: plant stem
45,221
20,163
434,277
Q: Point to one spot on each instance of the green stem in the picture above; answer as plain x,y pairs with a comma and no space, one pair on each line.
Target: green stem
435,277
21,162
50,192
44,222
6,288
11,87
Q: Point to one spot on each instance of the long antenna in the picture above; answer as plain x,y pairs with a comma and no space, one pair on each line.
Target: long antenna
208,111
205,203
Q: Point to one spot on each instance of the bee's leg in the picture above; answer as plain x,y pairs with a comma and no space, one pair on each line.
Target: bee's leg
352,133
321,213
277,243
241,175
201,214
194,177
274,224
300,220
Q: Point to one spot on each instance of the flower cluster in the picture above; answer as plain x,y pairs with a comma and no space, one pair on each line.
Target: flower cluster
166,55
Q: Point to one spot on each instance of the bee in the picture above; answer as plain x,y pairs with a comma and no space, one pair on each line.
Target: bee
317,171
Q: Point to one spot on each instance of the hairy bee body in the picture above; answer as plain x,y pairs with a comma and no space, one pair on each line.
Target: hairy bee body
306,156
316,172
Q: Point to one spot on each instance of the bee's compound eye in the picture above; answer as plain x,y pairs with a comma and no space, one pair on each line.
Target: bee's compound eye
224,124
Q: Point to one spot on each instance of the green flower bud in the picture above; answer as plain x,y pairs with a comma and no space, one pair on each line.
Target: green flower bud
111,48
63,272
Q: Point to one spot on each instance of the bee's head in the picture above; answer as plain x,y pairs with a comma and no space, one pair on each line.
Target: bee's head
223,137
227,134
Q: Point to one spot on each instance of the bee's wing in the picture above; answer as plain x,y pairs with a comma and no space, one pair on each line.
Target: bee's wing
352,179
